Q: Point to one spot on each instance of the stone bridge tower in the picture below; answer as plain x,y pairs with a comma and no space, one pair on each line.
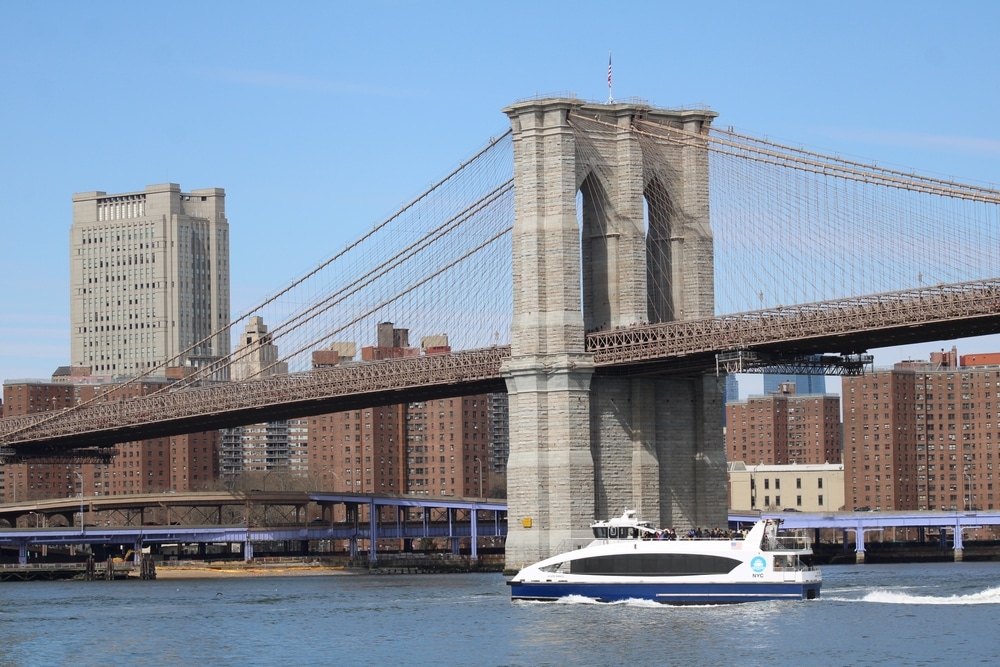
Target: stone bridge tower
586,445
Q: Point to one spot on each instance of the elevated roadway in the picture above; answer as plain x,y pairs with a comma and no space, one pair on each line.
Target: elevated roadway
369,526
860,523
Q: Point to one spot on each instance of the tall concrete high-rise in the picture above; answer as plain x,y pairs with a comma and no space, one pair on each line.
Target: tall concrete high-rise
149,283
149,280
581,444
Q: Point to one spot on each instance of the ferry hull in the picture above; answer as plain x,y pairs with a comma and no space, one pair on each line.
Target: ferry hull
673,594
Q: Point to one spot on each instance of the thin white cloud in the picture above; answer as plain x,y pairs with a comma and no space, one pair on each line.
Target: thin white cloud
916,140
20,324
265,79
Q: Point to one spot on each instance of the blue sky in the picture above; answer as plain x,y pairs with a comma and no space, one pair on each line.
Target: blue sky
291,106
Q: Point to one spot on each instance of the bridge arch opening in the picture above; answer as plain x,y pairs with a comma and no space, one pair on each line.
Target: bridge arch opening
658,213
599,255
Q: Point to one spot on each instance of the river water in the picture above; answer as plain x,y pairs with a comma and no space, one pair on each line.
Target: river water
922,614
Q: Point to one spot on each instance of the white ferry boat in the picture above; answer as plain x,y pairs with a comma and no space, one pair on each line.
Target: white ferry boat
629,559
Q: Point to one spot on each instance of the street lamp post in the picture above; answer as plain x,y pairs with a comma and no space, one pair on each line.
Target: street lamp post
480,474
333,483
80,475
45,548
968,492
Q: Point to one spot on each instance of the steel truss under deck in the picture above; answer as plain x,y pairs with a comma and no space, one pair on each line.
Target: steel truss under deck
748,361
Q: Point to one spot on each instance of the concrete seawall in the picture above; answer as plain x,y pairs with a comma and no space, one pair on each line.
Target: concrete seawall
904,552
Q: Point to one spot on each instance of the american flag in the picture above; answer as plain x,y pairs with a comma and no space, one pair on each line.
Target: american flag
609,70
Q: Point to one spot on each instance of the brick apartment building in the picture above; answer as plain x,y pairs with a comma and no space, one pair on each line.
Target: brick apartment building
439,447
179,463
784,428
923,435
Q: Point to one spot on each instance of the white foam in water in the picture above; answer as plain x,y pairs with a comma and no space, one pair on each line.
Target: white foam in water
988,596
630,602
577,599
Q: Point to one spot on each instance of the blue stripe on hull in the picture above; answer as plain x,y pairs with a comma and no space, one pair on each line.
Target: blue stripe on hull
667,593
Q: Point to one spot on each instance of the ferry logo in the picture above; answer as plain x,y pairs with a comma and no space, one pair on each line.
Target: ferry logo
758,564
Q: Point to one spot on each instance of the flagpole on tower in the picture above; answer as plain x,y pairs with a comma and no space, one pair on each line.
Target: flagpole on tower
611,99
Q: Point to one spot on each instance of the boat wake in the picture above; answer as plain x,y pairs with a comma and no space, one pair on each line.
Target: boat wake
580,599
988,596
630,602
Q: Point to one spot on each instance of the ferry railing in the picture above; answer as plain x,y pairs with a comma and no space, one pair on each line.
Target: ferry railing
574,543
792,543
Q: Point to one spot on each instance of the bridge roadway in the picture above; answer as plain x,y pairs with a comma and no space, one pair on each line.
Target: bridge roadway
691,346
860,523
354,531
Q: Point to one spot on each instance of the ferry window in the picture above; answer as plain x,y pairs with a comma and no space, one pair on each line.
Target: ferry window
646,564
783,562
555,567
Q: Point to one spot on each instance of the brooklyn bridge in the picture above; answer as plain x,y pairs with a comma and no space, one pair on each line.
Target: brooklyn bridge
605,265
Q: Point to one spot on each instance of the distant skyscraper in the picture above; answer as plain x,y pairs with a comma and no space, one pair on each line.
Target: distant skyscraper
256,354
731,393
149,279
804,384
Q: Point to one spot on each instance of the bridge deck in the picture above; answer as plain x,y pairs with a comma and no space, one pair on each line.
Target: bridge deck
846,325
